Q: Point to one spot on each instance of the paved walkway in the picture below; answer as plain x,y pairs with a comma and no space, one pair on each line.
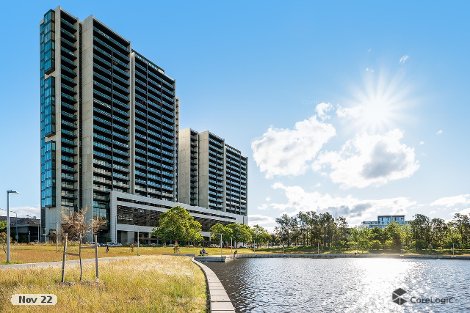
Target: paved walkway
219,302
59,263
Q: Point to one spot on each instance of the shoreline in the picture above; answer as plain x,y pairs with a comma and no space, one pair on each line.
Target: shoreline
350,255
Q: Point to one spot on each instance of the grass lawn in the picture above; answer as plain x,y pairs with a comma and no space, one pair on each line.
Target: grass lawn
156,283
24,253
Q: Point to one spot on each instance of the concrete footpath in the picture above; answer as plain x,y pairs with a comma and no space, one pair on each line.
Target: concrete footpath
218,300
59,263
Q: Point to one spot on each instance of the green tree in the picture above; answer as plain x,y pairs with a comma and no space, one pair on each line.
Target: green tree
452,236
302,219
421,229
240,233
260,235
380,235
314,228
3,226
393,231
361,238
219,229
375,244
407,235
327,228
283,230
341,232
462,224
3,235
245,233
438,232
177,225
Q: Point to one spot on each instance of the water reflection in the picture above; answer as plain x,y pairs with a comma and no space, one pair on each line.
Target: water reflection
343,285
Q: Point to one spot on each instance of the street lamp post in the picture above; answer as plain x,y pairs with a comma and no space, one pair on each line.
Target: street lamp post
8,223
221,246
16,225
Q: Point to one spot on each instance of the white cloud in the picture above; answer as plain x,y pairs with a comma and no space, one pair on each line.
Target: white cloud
322,110
421,143
355,210
452,201
370,70
23,211
265,221
282,151
439,132
465,211
354,112
369,160
404,59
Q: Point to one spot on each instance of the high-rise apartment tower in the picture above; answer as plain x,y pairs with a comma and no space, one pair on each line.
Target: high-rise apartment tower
109,131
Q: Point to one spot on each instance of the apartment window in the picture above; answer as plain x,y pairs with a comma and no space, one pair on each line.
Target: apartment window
48,173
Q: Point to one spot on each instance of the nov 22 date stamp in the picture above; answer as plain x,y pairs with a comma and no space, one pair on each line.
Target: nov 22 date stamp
34,299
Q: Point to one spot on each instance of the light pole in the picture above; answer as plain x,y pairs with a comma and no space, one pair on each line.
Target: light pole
8,223
220,245
16,225
30,217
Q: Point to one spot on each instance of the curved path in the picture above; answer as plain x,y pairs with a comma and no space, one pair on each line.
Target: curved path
219,302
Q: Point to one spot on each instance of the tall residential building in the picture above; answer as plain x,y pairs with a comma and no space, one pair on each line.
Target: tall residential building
109,126
211,173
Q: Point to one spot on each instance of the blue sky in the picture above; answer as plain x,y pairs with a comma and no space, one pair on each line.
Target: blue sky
390,136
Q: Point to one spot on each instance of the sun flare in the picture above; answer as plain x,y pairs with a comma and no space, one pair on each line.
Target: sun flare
378,104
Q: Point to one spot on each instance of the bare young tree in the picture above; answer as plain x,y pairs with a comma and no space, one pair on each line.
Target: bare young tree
75,224
97,224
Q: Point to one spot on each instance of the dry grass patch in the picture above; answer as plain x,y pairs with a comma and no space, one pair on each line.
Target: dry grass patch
144,284
23,253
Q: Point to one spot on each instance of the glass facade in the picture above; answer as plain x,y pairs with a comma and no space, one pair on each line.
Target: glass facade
129,215
47,42
47,106
48,182
47,112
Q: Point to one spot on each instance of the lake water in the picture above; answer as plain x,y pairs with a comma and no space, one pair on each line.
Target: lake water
345,285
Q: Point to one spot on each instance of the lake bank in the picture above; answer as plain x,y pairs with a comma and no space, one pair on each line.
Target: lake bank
351,255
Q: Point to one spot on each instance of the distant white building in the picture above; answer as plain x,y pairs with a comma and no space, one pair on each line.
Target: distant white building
383,220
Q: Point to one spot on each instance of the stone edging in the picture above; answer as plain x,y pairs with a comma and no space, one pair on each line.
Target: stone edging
218,300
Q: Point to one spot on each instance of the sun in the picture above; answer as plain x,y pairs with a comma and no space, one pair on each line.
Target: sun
379,104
